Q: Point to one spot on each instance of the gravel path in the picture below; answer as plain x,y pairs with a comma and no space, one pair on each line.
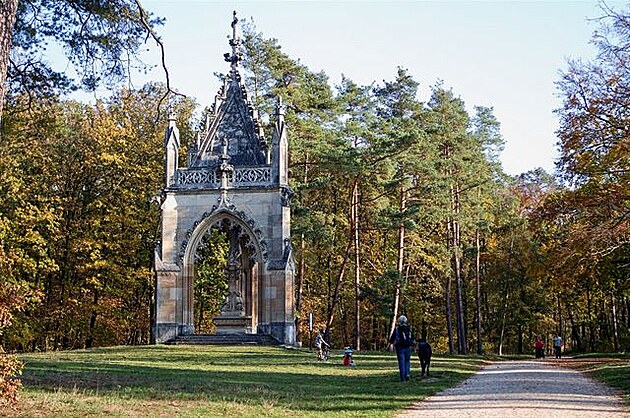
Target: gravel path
526,388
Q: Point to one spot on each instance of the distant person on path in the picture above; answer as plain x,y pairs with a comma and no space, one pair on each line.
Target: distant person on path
538,346
557,346
424,354
402,339
320,343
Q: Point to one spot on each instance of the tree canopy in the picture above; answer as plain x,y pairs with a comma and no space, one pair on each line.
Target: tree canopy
101,39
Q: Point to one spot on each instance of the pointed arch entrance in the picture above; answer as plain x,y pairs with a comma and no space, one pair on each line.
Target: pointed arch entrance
235,181
238,309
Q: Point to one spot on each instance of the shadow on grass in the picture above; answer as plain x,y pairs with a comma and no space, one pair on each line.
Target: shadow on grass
293,379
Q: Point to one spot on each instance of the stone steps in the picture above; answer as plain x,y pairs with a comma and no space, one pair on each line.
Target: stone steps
224,339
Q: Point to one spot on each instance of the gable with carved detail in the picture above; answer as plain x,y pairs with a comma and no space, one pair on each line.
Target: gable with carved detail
238,128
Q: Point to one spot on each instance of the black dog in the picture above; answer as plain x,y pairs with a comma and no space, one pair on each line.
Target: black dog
424,353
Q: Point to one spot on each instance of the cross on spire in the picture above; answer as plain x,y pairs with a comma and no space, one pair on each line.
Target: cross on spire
236,55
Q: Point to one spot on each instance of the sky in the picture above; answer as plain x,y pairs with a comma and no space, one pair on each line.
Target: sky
502,54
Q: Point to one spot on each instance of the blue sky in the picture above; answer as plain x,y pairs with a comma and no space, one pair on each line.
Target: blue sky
503,54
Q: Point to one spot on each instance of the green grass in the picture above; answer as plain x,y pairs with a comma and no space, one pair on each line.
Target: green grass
612,369
603,355
193,381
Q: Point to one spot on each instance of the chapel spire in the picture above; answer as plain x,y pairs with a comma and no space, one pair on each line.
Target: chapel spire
235,42
232,120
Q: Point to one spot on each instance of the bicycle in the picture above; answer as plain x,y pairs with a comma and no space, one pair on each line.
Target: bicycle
323,353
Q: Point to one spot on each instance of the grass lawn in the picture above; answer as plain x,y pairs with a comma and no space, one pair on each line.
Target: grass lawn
195,381
612,369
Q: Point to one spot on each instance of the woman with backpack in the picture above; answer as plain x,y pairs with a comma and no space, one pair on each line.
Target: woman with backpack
402,339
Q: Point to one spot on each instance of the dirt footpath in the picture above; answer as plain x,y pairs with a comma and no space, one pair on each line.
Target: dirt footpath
523,388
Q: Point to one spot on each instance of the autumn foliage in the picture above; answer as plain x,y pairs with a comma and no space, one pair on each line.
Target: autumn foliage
12,299
400,206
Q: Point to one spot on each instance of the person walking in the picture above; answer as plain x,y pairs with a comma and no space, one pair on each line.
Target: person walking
539,345
402,340
321,344
557,346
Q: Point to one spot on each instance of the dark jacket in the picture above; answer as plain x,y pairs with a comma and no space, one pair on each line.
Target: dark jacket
397,336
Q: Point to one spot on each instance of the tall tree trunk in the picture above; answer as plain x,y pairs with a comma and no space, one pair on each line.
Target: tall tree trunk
300,287
613,307
506,296
478,290
90,340
602,323
8,9
354,212
335,296
575,332
583,331
560,328
152,312
301,268
449,313
462,346
400,260
199,315
449,278
447,298
589,315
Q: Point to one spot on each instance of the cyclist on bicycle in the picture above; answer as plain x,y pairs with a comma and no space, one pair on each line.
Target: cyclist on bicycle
320,343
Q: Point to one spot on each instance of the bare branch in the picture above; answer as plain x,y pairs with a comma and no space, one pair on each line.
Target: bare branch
156,38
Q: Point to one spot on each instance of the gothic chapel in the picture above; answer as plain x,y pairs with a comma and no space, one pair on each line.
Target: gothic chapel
237,183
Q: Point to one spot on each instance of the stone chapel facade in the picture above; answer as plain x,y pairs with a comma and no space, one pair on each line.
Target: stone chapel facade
237,182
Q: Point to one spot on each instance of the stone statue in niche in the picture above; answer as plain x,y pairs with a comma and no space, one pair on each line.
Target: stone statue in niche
233,302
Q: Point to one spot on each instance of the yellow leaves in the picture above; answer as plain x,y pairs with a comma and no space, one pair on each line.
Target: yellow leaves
110,159
74,219
94,282
12,299
492,242
10,367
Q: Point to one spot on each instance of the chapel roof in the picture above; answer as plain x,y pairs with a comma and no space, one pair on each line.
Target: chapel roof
232,124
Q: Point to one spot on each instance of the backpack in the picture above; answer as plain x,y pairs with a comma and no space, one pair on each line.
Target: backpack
404,338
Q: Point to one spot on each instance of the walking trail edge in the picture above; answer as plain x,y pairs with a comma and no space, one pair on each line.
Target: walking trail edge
523,388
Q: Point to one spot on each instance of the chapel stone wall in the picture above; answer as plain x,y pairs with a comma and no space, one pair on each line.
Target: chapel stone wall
233,173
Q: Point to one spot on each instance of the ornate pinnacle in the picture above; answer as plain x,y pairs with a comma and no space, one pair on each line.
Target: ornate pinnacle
280,107
234,23
224,166
171,117
236,55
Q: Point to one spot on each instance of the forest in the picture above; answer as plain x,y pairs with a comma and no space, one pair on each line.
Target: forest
400,206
